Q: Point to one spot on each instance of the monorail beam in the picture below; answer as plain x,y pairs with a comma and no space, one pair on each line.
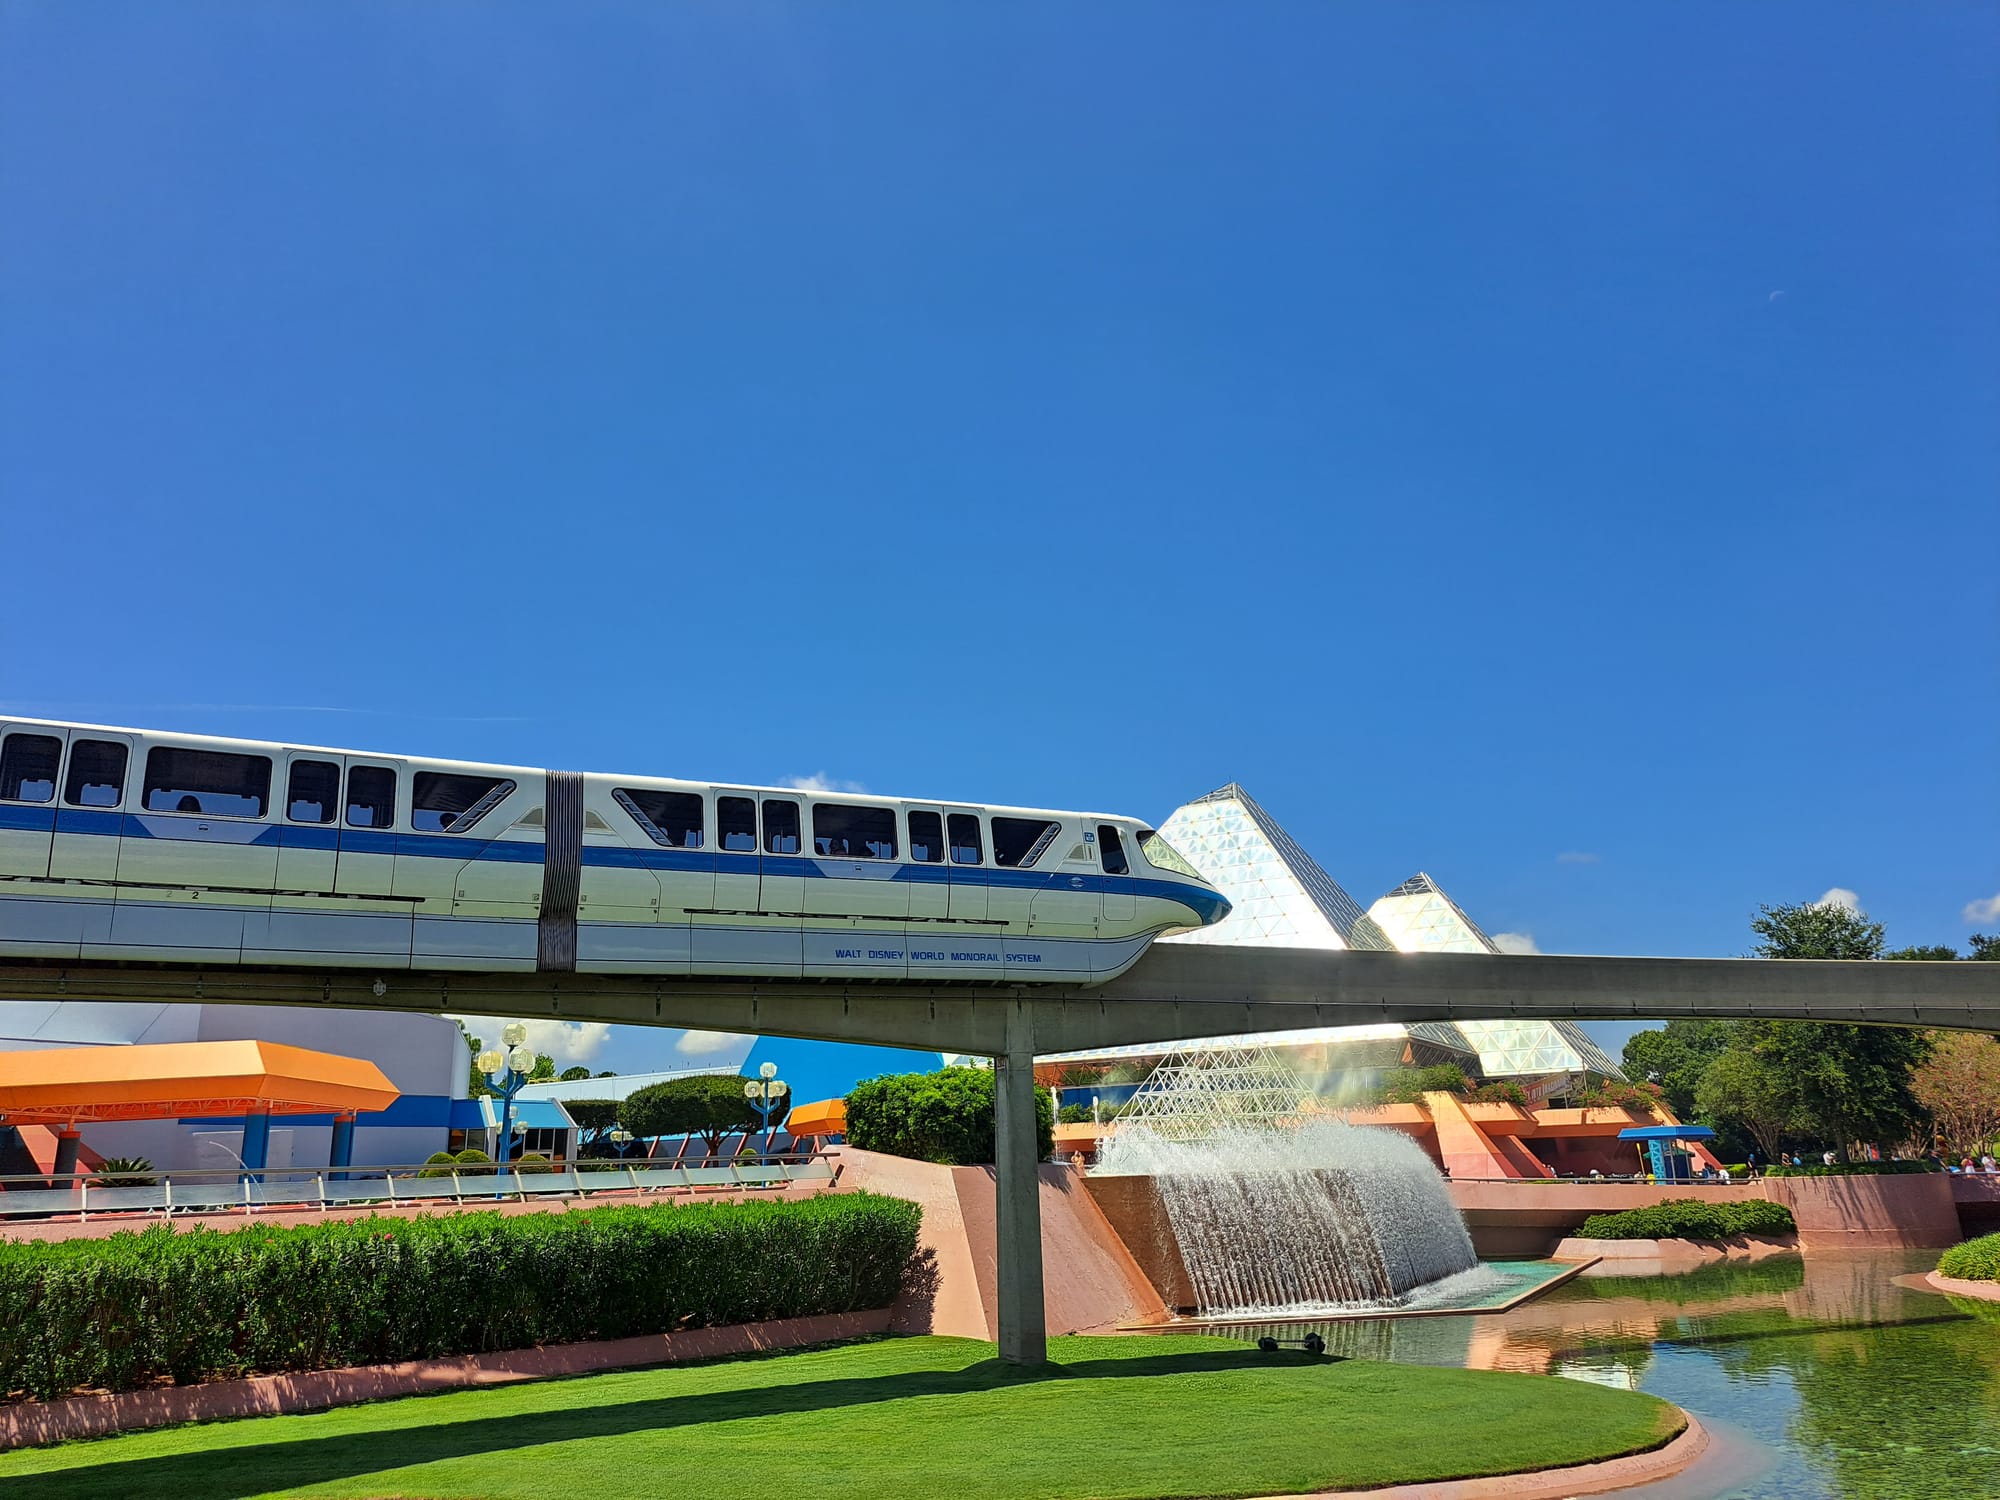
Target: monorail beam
1177,991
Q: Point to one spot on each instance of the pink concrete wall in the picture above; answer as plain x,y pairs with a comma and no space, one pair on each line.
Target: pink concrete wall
1865,1213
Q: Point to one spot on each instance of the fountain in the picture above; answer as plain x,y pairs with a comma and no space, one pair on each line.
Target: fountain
1274,1212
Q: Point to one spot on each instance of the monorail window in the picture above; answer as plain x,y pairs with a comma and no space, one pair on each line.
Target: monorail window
28,764
1019,842
1162,855
211,782
670,818
441,802
844,832
926,838
965,846
1111,850
371,797
96,774
781,827
312,791
736,824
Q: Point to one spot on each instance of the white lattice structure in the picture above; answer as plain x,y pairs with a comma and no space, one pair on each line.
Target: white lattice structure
1194,1093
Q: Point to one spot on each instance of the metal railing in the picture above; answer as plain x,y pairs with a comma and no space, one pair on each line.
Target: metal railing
82,1195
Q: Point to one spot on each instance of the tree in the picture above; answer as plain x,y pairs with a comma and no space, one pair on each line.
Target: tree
476,1085
1847,1083
572,1075
1959,1083
1985,949
594,1119
946,1116
1928,953
709,1105
544,1070
1739,1089
1815,931
1675,1057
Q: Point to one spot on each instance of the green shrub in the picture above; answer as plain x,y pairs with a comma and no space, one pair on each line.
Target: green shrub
1615,1093
533,1162
439,1164
124,1171
1854,1169
1409,1085
473,1162
1503,1091
1975,1260
122,1312
946,1116
1691,1219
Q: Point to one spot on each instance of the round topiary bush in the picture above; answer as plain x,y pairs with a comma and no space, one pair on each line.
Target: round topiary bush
945,1117
1975,1260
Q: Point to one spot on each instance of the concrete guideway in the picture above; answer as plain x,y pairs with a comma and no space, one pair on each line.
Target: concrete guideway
1176,992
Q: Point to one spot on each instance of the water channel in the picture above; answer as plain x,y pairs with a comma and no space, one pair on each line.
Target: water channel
1821,1378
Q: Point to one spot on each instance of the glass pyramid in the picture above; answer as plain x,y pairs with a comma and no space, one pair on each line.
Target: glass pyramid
1421,918
1279,895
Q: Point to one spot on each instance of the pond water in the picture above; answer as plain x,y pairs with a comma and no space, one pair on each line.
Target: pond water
1821,1377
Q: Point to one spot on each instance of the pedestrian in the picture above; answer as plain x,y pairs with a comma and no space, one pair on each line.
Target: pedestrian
1827,1158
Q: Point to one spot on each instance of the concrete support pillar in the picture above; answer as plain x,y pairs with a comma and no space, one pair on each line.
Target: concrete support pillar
1024,1337
67,1142
256,1141
341,1152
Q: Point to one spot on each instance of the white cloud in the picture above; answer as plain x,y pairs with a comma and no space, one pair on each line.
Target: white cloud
1983,911
1577,857
1515,942
707,1043
819,781
570,1043
1843,899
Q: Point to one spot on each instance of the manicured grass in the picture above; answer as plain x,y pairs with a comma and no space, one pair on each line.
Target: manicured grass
893,1418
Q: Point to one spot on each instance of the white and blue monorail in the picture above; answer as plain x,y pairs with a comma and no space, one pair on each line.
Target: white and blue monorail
131,844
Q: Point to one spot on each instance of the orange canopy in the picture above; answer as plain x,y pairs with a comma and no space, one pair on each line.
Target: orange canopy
827,1117
173,1079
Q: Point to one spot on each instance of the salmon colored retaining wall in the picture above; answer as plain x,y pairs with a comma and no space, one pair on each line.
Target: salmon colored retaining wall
1984,1291
1913,1211
1089,1278
32,1423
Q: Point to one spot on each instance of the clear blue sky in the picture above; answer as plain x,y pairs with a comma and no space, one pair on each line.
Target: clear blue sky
1551,447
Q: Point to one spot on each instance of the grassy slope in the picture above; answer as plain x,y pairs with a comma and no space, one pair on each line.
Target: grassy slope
919,1417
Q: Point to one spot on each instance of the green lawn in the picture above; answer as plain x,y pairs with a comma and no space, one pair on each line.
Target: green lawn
917,1417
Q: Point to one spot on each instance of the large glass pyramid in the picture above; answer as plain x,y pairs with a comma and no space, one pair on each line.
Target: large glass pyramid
1282,898
1420,918
1279,895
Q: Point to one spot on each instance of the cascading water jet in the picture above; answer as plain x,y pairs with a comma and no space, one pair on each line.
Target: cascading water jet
1278,1213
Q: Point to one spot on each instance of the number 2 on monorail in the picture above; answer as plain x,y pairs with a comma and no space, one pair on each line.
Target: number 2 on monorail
131,844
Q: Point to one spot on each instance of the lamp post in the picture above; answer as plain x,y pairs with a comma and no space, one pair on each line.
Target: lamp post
766,1092
506,1071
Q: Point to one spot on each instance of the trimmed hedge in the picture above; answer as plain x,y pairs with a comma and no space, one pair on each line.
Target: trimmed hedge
944,1117
1854,1169
1975,1260
1691,1219
194,1305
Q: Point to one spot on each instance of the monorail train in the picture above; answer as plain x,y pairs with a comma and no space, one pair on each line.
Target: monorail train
132,844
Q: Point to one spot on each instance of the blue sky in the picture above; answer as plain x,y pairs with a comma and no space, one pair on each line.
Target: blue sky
1551,447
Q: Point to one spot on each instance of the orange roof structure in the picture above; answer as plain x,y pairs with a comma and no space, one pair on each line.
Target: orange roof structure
826,1117
174,1079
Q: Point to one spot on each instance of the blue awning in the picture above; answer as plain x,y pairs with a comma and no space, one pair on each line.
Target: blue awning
1666,1133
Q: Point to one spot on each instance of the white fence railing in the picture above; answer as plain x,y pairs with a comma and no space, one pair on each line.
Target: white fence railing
81,1196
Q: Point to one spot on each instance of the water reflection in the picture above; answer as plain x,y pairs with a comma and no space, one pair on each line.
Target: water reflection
1825,1378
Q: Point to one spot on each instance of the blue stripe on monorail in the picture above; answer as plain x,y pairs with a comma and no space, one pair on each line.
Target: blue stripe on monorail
460,847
